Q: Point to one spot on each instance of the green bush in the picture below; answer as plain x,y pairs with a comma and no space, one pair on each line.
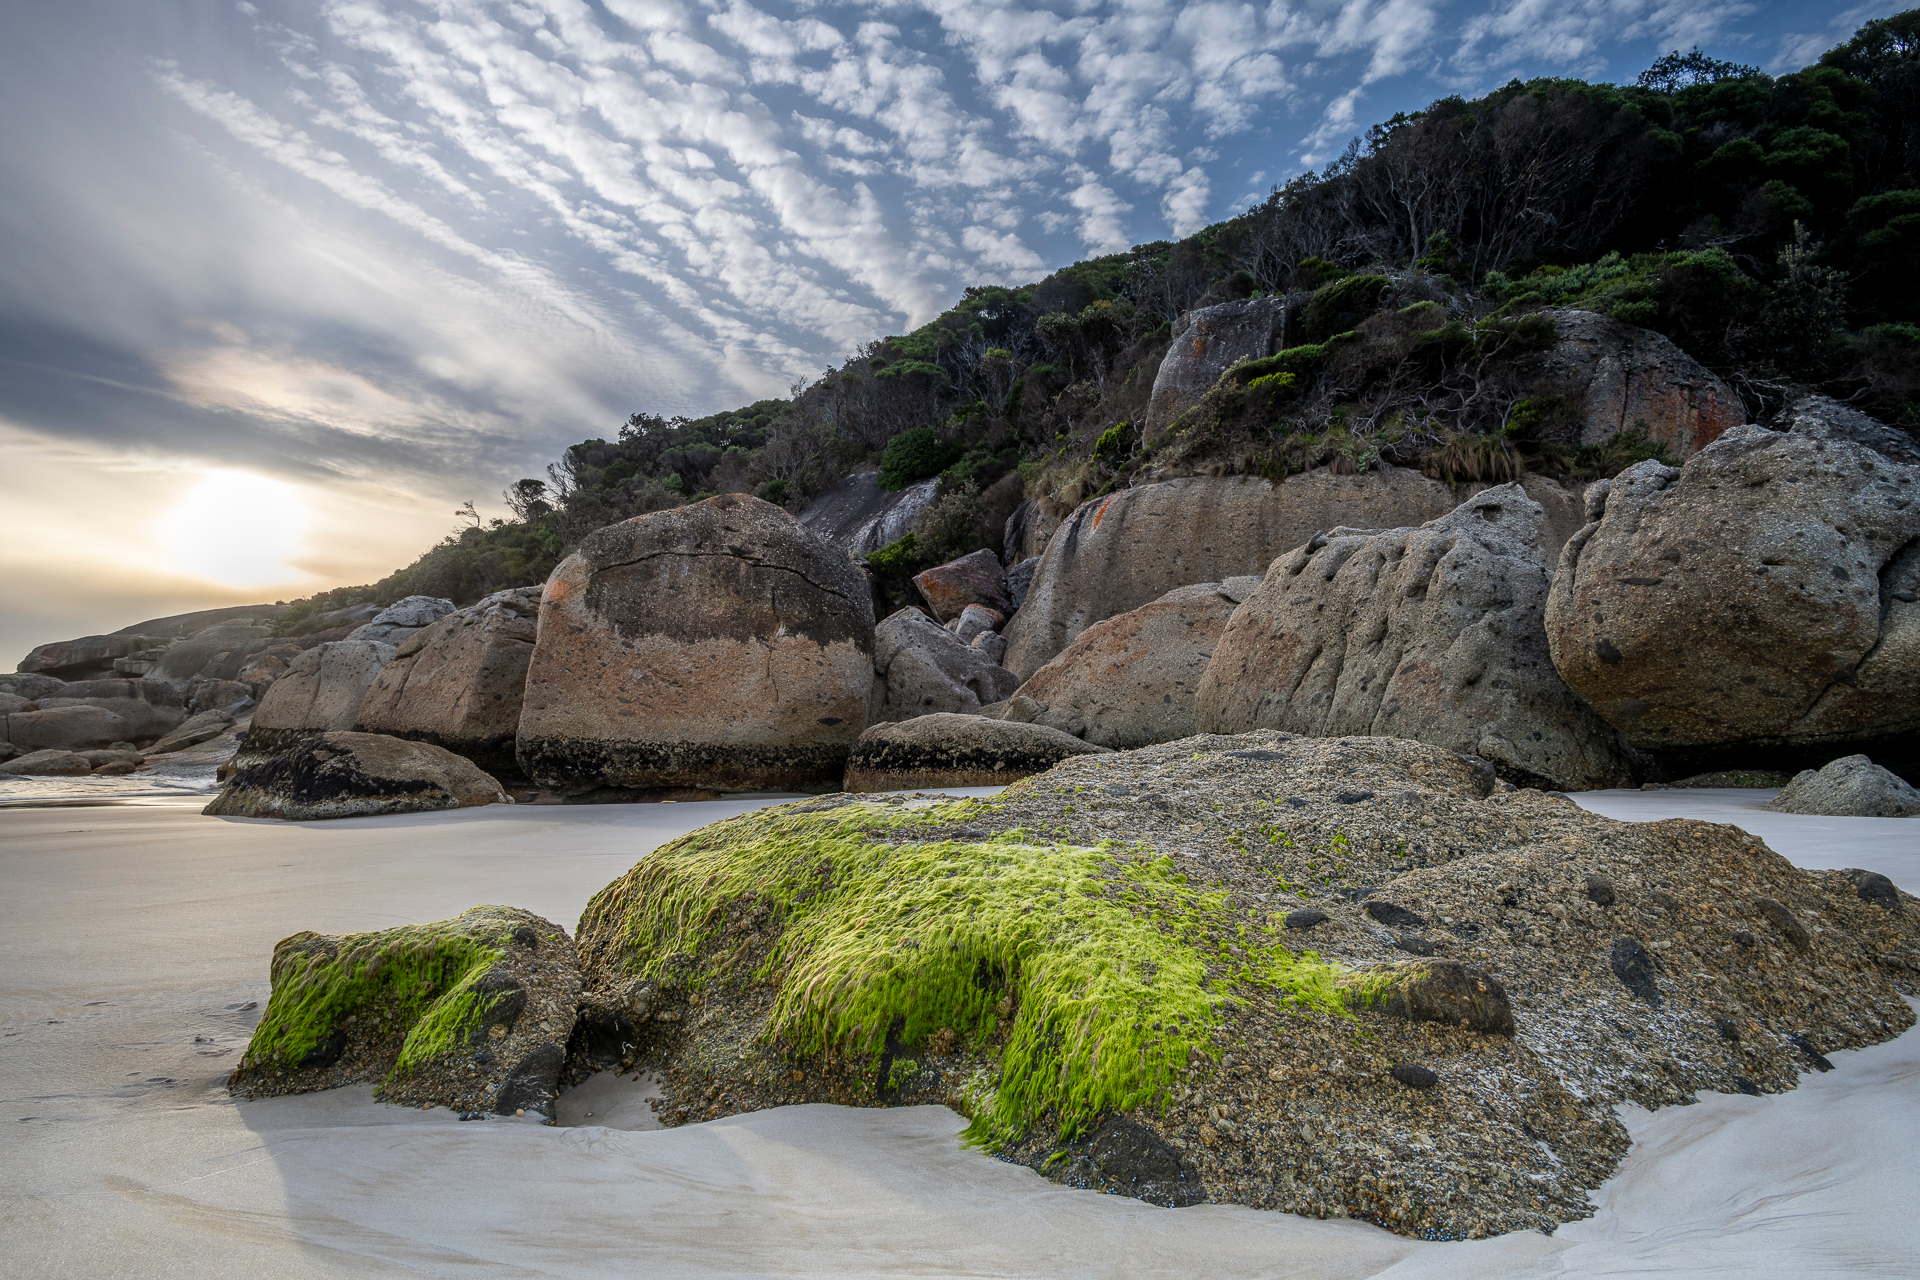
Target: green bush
915,455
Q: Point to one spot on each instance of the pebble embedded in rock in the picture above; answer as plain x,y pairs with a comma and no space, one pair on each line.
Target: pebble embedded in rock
1634,967
1600,891
1394,916
1306,918
1875,888
1415,1076
1782,919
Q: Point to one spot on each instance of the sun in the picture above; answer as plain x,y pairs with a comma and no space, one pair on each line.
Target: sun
236,529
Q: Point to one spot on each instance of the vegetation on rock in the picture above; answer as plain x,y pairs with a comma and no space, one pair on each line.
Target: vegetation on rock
1769,226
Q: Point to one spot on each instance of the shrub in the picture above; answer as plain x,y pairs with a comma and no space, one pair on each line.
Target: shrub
914,455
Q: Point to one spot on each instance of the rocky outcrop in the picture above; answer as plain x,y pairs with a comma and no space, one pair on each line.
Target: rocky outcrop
1067,939
85,658
178,626
955,751
47,764
459,682
215,652
351,775
1618,377
1852,786
1117,553
65,729
1766,594
972,579
403,619
1131,680
472,1014
1205,342
149,710
320,692
860,517
30,685
196,729
714,645
1432,633
921,668
1824,418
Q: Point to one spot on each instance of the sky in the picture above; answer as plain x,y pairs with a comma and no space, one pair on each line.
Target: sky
281,285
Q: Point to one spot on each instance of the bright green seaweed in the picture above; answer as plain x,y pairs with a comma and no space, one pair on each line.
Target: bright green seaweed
1102,953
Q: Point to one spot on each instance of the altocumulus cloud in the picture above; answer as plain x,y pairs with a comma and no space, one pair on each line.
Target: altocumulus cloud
409,248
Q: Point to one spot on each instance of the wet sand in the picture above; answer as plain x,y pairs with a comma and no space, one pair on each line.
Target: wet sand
133,938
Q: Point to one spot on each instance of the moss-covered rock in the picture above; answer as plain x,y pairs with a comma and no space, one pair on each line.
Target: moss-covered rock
1107,968
472,1013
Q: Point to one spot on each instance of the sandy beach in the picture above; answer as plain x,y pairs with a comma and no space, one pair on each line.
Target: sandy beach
134,941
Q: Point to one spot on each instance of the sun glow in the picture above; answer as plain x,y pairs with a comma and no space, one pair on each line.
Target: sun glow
236,529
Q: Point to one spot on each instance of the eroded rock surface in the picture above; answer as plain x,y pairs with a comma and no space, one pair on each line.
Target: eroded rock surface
716,645
1054,957
860,517
458,682
403,619
948,750
976,578
320,692
351,775
1766,593
472,1014
1432,633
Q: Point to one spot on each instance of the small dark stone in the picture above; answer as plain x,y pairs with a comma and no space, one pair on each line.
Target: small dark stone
1799,1041
1258,754
1414,943
325,1053
1117,789
1306,918
1393,915
1634,967
1727,1030
1600,891
526,937
1296,802
1782,919
1746,1086
1353,797
473,1115
1742,938
1124,1156
1664,900
1875,888
1484,775
534,1084
1415,1076
970,833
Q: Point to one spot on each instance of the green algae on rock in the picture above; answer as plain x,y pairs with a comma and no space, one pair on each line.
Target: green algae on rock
1080,970
471,1013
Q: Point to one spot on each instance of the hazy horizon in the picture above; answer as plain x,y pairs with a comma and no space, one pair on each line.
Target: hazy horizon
285,284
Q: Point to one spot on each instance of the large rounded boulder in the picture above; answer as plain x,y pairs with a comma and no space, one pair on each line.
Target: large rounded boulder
1432,633
458,682
1767,594
1132,680
320,692
716,645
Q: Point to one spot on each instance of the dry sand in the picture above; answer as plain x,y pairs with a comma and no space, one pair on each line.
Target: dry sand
134,937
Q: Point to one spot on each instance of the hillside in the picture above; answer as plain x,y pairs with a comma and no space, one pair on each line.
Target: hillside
1769,226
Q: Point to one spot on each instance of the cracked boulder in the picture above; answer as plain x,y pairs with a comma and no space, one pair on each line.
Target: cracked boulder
351,775
718,645
472,1013
1432,633
1765,595
458,682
